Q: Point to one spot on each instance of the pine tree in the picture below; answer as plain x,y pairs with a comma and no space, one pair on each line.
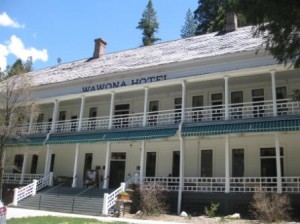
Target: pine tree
149,25
190,25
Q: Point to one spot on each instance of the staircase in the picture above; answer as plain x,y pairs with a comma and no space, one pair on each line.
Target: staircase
66,199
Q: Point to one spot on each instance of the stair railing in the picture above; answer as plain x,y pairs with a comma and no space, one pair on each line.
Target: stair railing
80,193
31,189
109,200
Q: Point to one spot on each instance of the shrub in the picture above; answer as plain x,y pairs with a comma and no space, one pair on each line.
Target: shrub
270,207
212,210
152,200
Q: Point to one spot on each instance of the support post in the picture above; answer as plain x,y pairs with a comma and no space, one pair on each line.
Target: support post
183,104
51,179
23,167
278,164
112,110
274,93
227,178
54,115
74,180
34,187
81,113
145,106
105,204
47,161
105,182
15,200
181,170
142,162
226,90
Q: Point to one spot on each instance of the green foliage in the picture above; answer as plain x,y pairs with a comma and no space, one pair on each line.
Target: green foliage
190,25
279,24
212,210
149,25
18,68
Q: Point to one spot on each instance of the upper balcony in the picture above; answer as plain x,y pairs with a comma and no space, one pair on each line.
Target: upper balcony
248,110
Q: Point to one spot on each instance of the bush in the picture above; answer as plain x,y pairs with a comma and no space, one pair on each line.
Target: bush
152,199
270,207
212,210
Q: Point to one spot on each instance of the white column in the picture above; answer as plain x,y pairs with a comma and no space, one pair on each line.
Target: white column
47,161
274,93
181,174
278,163
226,96
145,106
105,182
55,114
34,187
31,119
23,167
81,113
227,178
142,162
112,110
74,181
183,105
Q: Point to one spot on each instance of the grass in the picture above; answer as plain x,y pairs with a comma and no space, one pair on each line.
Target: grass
57,220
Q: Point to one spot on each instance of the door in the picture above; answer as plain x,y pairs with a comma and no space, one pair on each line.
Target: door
236,105
92,118
206,163
117,169
258,102
61,121
121,115
197,103
34,162
153,112
238,162
216,102
176,164
150,164
52,162
18,163
177,107
87,166
281,97
74,123
39,121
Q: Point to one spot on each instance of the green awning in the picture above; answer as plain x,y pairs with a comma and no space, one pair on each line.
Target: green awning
140,134
26,141
247,127
125,135
75,138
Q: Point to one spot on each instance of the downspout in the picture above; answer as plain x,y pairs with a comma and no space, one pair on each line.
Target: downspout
181,171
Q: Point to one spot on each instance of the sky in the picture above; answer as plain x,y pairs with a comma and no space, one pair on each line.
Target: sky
50,29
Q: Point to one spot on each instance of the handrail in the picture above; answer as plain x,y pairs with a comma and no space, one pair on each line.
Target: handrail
90,187
54,187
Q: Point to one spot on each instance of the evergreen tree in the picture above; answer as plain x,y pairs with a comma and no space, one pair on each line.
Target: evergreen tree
19,67
149,25
190,25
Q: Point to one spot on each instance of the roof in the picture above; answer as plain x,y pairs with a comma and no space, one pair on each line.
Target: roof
198,47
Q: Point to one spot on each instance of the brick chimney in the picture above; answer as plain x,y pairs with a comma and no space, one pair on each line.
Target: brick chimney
99,48
231,21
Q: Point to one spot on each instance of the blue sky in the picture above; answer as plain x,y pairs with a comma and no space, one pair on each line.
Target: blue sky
48,29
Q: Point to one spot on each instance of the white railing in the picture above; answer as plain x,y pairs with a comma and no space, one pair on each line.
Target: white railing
32,188
109,200
248,110
291,184
15,178
253,184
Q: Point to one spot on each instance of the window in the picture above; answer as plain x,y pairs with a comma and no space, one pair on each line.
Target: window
153,112
237,162
206,163
281,96
268,162
18,163
52,162
237,103
34,163
92,119
176,164
177,107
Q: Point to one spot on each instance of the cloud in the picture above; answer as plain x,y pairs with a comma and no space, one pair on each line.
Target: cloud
3,55
5,20
16,47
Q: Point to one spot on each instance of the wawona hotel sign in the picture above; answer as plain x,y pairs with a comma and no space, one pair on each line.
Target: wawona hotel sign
122,83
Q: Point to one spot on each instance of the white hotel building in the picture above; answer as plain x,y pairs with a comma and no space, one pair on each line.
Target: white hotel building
207,117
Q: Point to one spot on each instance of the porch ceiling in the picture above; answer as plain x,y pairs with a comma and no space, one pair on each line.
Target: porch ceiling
245,127
126,135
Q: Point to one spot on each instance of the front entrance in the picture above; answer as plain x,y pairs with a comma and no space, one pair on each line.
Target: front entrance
117,169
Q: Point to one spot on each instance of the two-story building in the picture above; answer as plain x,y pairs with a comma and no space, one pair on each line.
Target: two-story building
208,115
